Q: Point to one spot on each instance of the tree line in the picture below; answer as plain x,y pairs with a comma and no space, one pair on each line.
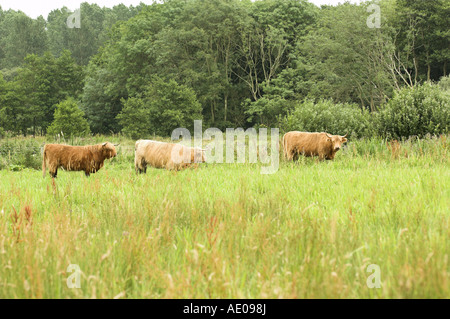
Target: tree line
148,69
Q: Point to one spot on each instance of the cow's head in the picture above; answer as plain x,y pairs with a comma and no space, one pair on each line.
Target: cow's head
336,141
108,150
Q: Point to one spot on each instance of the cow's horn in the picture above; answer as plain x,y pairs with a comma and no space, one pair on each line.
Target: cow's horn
328,135
104,143
116,144
345,135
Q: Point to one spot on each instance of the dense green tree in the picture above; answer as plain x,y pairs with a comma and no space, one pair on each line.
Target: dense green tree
36,85
2,36
69,120
122,68
3,103
95,25
135,119
215,47
246,62
29,98
44,81
12,112
269,38
423,37
164,106
100,101
19,36
69,76
344,59
82,42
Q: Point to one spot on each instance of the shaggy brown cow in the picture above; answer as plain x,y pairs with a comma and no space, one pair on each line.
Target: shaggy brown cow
323,145
87,158
165,155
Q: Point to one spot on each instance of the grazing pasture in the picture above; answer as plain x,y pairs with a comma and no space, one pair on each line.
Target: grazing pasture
225,231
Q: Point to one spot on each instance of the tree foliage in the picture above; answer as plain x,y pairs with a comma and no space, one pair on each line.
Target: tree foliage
37,86
246,63
424,109
164,106
69,120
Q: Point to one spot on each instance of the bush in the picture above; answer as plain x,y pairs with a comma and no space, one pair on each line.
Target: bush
444,83
18,154
325,116
416,111
134,118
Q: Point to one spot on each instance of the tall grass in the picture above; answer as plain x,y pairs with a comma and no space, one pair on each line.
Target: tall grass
226,231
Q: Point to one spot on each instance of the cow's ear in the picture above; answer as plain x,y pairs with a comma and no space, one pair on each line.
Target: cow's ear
344,140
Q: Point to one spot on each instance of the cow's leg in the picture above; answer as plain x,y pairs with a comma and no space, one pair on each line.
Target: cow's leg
53,172
290,154
87,173
140,167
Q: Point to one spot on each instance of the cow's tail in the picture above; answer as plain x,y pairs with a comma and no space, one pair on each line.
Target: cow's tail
137,165
283,141
44,162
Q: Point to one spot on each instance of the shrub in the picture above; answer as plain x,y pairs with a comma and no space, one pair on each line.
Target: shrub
19,154
325,116
417,111
134,118
31,158
444,83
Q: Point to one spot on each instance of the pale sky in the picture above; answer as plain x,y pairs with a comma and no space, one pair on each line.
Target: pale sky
35,8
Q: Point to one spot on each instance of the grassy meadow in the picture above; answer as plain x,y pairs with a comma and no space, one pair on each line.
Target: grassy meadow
225,231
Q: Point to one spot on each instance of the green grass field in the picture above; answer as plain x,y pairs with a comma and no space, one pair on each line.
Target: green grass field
226,231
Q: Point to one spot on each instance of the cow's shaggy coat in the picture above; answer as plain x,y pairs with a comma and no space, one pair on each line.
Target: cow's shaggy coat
88,158
323,145
165,155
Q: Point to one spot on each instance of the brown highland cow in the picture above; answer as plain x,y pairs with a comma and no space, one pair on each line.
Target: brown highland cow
323,145
87,158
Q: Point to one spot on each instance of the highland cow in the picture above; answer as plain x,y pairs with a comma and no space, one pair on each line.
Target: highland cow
165,155
323,145
88,158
